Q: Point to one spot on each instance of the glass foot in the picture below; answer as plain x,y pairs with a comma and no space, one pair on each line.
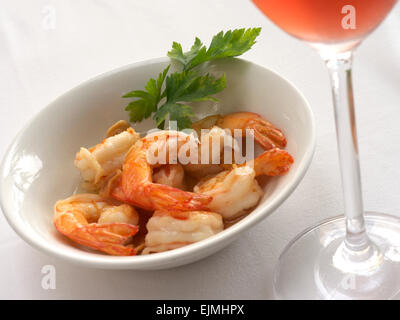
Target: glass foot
314,264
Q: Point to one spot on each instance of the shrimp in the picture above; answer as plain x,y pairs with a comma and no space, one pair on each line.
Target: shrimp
91,221
274,162
171,175
167,232
265,133
102,160
211,144
236,191
137,186
233,191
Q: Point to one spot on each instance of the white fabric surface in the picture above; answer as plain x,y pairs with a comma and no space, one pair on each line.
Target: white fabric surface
49,46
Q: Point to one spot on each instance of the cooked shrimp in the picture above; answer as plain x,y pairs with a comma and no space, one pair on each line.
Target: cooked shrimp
171,175
274,162
211,144
236,191
102,160
265,133
233,192
167,232
91,221
137,186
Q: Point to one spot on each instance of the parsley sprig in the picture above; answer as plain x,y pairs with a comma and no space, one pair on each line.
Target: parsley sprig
188,85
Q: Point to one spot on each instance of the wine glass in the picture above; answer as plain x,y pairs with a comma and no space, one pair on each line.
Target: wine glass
354,256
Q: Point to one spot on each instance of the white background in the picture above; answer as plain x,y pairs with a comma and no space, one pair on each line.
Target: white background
47,47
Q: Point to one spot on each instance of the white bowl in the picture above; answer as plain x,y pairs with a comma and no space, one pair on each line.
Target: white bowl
38,167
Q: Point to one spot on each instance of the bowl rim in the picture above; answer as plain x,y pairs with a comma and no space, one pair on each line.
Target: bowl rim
132,262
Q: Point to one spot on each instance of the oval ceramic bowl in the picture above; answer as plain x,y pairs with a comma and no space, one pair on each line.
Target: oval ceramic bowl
38,167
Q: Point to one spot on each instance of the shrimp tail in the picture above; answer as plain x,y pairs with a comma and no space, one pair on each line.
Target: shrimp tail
168,198
118,194
267,135
154,196
108,237
274,162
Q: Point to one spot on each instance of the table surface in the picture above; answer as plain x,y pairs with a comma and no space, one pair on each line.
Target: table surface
49,46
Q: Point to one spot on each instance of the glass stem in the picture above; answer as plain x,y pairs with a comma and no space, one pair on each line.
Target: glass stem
340,73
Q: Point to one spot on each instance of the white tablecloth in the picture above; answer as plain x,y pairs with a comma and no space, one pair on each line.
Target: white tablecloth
49,46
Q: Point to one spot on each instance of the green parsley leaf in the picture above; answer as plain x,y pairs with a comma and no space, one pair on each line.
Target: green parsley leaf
178,112
185,58
189,85
186,86
223,45
148,100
